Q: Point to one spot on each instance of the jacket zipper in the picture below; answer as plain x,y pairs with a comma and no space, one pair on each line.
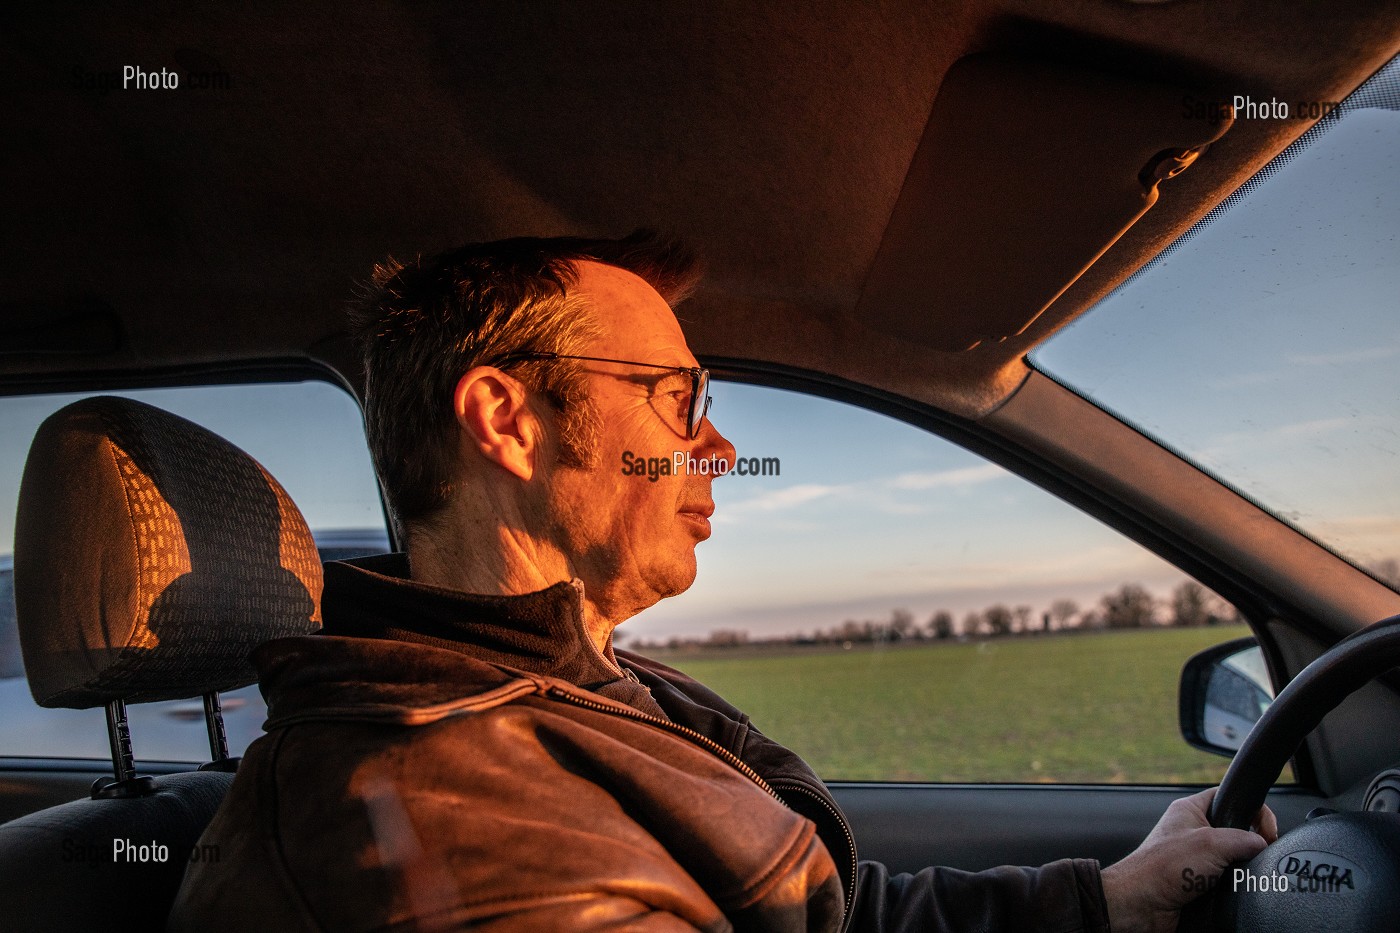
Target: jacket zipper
698,738
850,843
738,763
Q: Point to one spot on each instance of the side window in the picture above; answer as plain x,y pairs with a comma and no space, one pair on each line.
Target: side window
895,608
307,434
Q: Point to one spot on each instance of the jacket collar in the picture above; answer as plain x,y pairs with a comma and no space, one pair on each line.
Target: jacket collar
541,633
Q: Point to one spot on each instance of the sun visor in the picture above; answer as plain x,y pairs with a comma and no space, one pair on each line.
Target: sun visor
1027,172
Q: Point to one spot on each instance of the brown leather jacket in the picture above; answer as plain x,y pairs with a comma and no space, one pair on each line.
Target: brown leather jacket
438,761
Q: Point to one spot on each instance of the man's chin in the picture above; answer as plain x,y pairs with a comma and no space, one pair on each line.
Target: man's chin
677,578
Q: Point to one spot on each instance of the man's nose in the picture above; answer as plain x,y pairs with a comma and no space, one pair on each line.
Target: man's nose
712,444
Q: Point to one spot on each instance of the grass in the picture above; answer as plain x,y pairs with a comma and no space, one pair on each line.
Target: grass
1091,707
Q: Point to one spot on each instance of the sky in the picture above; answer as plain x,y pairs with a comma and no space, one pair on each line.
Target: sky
1266,348
870,515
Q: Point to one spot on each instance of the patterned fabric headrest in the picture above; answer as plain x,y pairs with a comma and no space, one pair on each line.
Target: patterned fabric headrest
151,556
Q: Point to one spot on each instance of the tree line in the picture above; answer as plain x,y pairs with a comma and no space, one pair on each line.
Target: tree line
1130,606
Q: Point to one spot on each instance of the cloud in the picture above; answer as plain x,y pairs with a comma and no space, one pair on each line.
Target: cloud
1281,374
1080,564
1349,356
780,499
1317,426
1240,380
942,479
889,495
1228,446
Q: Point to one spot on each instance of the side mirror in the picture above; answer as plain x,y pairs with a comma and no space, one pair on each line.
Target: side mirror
1224,691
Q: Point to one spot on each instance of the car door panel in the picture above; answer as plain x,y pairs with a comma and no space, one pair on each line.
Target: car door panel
974,827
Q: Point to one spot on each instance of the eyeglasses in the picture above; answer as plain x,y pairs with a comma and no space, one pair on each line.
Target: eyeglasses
699,381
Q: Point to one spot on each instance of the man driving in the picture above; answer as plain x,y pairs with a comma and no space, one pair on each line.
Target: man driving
462,747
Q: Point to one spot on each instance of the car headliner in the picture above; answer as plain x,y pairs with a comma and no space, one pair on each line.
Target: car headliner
155,229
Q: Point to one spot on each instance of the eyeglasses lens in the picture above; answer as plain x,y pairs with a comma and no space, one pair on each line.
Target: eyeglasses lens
699,403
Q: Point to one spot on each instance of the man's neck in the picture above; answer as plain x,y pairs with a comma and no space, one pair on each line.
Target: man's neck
498,563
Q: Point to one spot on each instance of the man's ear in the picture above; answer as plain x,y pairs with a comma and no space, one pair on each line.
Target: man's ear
492,409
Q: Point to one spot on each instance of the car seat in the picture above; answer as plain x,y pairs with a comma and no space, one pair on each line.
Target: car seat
151,557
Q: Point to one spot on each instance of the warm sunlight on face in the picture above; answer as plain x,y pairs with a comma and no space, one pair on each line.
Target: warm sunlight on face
632,536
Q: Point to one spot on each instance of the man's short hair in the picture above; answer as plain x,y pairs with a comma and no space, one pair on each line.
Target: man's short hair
421,325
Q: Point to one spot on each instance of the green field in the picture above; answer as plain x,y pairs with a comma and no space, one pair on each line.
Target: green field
1093,707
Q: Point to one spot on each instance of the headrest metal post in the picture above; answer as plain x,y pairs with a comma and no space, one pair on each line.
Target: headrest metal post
125,782
119,735
214,719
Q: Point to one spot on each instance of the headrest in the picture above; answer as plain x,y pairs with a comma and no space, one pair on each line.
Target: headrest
151,556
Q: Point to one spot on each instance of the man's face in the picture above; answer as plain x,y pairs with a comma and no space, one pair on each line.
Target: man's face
630,538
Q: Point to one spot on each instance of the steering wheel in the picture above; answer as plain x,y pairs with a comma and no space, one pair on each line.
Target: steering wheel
1337,872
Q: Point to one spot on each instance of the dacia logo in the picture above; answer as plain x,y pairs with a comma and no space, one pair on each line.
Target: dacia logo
1324,872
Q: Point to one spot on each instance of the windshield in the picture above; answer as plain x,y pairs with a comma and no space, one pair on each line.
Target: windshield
1265,345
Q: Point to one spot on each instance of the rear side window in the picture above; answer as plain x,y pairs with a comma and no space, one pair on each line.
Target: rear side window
10,663
309,435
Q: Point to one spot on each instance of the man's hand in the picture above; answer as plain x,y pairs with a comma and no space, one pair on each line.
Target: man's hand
1146,890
